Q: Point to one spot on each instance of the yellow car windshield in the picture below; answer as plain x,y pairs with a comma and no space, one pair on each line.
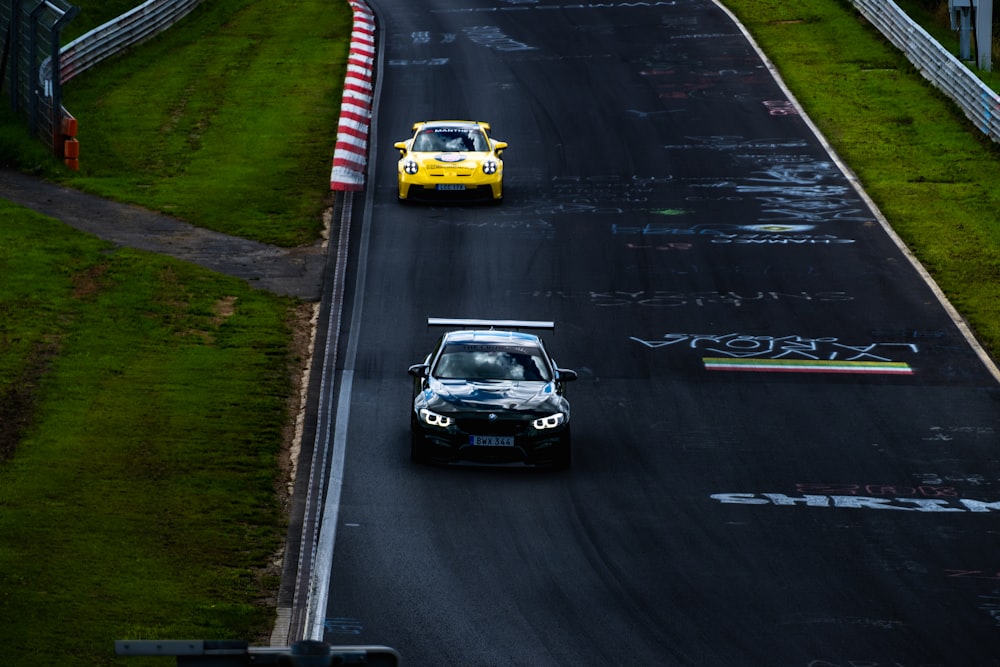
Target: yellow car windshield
450,139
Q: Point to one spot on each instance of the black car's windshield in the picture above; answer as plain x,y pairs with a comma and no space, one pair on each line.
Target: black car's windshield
450,139
492,362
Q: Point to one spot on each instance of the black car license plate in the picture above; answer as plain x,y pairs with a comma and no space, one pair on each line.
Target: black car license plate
491,441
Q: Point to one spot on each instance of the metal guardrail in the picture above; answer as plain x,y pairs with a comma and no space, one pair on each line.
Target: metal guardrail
978,101
133,27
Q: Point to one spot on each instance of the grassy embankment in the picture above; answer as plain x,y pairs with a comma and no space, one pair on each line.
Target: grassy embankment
143,400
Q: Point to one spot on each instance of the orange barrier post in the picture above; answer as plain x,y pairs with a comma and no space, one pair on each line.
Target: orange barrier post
70,144
69,126
71,153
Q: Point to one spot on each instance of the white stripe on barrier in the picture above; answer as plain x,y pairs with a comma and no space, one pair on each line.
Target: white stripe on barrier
361,71
347,107
359,97
353,144
358,126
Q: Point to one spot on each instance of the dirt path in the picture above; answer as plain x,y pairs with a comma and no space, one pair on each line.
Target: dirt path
289,271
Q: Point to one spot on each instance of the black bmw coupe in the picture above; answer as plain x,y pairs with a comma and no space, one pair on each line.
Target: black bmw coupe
487,395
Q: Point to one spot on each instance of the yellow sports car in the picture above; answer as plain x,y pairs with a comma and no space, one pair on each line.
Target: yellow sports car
451,158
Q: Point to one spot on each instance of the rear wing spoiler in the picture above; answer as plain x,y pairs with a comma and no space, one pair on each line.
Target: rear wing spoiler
484,125
466,323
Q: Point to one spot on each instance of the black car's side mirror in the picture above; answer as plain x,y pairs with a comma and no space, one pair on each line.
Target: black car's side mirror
566,375
418,370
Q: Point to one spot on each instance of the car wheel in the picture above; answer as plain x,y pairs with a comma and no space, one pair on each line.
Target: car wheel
564,455
418,447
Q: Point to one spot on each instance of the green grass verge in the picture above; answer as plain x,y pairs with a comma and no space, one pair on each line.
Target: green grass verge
934,176
142,402
227,121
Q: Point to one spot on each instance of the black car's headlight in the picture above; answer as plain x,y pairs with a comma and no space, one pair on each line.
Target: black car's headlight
434,419
410,166
490,167
551,421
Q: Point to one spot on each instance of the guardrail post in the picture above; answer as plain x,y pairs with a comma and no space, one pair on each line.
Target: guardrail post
984,34
973,18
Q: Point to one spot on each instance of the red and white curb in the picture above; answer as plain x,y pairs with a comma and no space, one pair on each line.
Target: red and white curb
350,157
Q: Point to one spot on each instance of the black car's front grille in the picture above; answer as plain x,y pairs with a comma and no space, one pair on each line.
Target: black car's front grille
502,425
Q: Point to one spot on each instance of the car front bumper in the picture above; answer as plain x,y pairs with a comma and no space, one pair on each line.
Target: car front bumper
529,447
420,186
